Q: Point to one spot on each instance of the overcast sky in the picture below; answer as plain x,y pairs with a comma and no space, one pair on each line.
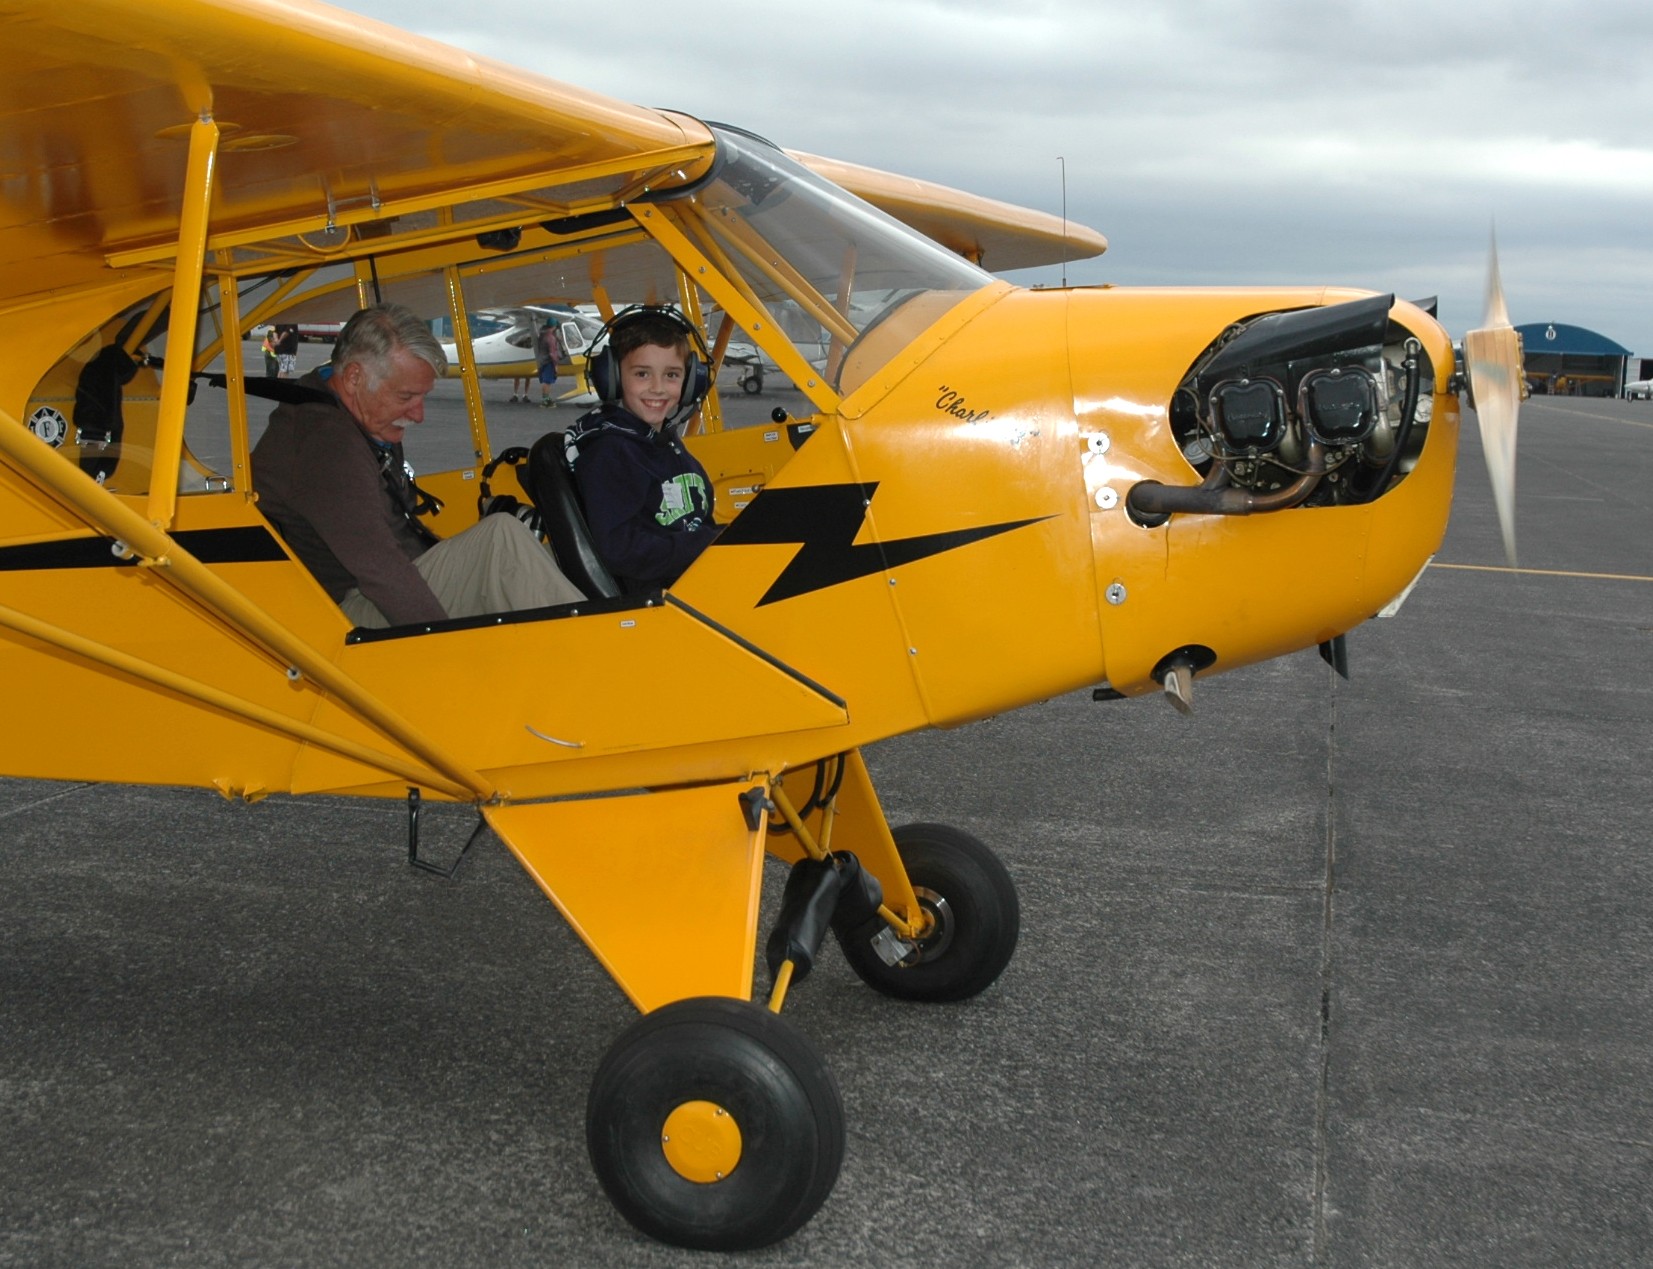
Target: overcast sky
1247,141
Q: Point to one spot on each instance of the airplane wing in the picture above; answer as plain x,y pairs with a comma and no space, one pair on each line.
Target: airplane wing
997,236
334,122
326,118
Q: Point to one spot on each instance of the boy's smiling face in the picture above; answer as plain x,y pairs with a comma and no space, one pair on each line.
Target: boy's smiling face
651,382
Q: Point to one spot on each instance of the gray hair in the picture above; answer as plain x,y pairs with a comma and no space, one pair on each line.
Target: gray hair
373,333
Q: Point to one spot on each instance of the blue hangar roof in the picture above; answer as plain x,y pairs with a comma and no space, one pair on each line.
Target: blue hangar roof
1554,337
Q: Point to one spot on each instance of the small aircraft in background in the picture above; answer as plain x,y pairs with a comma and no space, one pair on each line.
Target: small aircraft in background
750,366
988,496
502,340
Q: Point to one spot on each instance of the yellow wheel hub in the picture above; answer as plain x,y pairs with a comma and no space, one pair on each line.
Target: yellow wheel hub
701,1141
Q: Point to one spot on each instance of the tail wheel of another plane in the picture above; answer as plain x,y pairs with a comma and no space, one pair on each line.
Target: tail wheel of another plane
715,1124
975,917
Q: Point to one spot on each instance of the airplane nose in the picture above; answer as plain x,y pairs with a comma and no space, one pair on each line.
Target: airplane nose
1294,481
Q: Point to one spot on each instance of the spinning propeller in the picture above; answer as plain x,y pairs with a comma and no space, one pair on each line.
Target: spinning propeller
1492,358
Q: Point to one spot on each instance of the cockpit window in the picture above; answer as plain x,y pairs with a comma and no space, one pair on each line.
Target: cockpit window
826,265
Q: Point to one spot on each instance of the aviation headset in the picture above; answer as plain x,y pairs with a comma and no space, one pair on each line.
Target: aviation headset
603,367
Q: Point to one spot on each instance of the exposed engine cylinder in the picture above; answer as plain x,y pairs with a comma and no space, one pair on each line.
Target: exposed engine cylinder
1302,408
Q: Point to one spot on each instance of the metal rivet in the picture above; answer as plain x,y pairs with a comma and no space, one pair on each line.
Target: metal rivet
1116,593
1098,442
1107,498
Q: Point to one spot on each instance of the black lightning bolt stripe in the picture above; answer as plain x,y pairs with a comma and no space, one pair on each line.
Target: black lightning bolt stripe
247,544
823,520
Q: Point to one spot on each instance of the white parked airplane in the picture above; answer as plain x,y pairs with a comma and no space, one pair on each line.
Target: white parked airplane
502,340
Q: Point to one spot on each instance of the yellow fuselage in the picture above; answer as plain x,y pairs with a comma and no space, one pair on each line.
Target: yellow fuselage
968,552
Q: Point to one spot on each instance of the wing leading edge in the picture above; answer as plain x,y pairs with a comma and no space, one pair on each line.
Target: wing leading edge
997,236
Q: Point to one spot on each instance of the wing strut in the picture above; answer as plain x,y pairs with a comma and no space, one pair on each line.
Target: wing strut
187,272
168,562
167,680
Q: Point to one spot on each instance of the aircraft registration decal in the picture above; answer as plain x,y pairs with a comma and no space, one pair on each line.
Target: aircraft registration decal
824,520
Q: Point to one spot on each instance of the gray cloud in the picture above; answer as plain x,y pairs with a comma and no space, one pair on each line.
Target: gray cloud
1284,141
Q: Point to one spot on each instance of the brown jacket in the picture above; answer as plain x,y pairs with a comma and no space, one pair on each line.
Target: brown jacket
333,495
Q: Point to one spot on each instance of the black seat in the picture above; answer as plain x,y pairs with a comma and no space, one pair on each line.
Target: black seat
550,483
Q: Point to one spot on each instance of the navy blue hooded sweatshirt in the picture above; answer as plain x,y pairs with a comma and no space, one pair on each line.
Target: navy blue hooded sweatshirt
647,500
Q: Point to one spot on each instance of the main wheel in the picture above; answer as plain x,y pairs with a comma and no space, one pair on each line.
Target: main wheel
715,1124
752,384
974,913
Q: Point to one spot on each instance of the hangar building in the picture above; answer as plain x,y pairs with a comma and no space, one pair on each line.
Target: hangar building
1573,361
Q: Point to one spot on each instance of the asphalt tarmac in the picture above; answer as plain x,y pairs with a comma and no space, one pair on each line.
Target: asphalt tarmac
1330,973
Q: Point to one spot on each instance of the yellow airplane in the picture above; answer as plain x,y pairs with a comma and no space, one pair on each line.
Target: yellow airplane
992,495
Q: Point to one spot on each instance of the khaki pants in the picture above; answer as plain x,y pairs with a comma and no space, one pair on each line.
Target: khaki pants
497,565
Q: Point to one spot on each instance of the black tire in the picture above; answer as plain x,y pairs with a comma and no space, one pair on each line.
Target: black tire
752,384
774,1086
977,919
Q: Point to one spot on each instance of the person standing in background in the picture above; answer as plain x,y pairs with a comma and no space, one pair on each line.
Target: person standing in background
286,349
548,352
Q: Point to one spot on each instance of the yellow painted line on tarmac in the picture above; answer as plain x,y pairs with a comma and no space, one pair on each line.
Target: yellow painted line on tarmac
1545,572
1608,418
1592,414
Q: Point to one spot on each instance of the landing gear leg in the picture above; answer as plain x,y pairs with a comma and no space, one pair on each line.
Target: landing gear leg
975,919
950,917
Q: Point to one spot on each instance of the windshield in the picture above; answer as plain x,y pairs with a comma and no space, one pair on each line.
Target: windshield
825,265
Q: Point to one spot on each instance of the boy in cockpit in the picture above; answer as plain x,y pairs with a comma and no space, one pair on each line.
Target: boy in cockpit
647,500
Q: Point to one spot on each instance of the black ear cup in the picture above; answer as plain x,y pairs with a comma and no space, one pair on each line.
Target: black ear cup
603,370
697,382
